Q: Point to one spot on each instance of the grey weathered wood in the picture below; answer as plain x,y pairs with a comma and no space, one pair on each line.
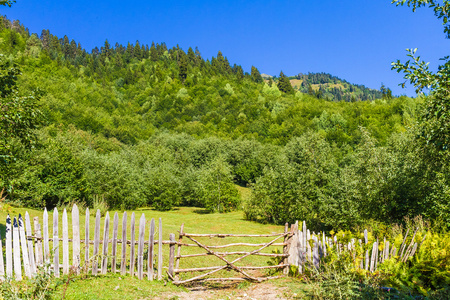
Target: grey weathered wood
285,247
8,242
315,253
123,263
76,259
180,240
160,257
114,243
140,256
408,250
29,233
2,265
403,245
96,243
386,253
45,237
65,238
132,243
86,238
105,244
38,246
16,248
300,252
308,246
413,251
23,243
366,240
373,257
324,244
171,254
55,243
151,247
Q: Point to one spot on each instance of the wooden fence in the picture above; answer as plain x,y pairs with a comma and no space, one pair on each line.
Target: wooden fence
308,248
210,250
26,250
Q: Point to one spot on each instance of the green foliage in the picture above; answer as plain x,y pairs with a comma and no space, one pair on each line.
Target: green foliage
42,286
427,271
435,118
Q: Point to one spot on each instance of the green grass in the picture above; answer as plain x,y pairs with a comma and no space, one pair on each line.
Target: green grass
114,286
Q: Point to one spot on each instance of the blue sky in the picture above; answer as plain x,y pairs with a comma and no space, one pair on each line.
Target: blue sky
355,40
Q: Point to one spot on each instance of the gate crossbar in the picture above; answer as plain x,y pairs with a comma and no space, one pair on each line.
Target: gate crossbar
228,263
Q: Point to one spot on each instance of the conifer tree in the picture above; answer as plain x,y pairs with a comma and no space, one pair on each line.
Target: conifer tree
284,85
256,76
153,52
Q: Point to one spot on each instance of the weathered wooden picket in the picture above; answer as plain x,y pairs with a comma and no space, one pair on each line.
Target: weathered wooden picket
307,248
27,252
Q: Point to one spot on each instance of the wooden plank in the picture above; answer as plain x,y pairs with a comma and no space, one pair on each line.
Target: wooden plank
366,240
180,240
160,257
308,246
29,233
386,253
8,242
16,248
76,259
373,257
140,266
38,248
96,243
65,238
151,241
123,263
285,248
403,245
105,244
45,236
55,243
171,254
86,238
114,243
132,244
2,264
23,243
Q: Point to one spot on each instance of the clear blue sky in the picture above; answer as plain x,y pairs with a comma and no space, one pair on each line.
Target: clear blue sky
355,40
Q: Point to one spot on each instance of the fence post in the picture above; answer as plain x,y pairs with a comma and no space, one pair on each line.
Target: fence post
76,238
160,257
30,244
285,248
114,243
86,241
171,254
123,263
23,244
96,243
105,245
55,243
140,268
133,242
151,247
38,245
65,236
180,240
16,247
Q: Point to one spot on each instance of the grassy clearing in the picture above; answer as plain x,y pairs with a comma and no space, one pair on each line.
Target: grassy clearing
114,286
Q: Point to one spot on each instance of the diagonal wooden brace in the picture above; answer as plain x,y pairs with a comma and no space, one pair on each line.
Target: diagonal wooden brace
229,264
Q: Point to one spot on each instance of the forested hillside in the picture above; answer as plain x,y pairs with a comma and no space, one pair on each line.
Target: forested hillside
332,88
142,124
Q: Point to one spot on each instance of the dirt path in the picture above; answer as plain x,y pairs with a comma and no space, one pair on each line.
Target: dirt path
261,291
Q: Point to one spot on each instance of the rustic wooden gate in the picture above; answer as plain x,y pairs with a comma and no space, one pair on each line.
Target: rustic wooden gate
209,273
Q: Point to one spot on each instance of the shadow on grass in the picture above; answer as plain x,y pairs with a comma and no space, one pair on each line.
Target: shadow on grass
201,211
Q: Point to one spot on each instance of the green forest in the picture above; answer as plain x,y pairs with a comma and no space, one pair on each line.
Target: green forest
141,125
123,127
